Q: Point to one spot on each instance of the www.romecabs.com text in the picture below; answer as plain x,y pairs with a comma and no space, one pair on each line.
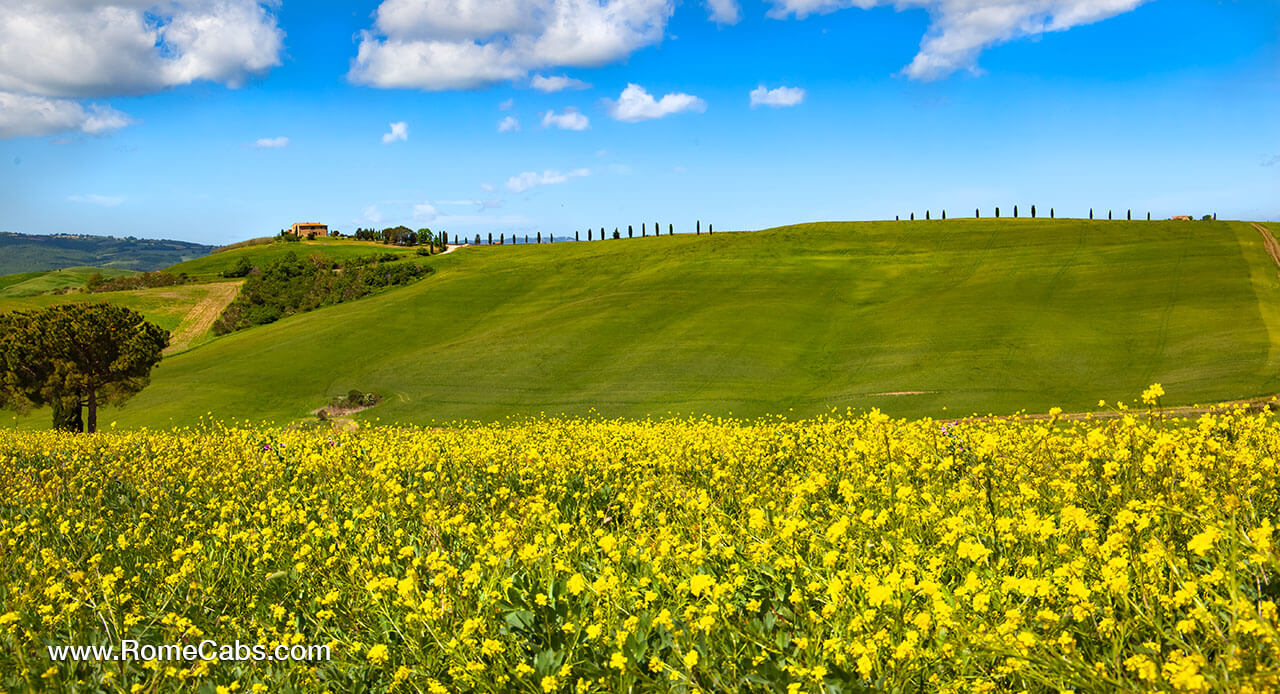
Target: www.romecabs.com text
130,650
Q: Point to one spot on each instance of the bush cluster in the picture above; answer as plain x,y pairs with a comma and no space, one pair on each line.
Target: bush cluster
142,280
295,285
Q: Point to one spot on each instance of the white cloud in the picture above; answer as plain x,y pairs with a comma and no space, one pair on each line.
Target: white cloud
571,119
425,212
1271,161
93,199
399,132
724,11
530,179
486,187
960,29
271,142
56,50
557,83
636,104
465,44
782,96
508,124
96,48
490,204
457,202
372,215
506,105
24,115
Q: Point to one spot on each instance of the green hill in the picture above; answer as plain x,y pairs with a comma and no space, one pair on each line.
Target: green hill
211,266
32,283
912,317
38,253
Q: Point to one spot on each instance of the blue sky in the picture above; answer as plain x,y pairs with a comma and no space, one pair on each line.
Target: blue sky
240,118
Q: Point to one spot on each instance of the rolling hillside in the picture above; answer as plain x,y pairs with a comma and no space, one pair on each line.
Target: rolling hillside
32,283
38,252
916,318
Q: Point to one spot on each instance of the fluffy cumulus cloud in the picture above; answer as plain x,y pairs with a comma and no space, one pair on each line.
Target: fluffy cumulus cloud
24,115
724,11
62,49
508,124
636,104
465,44
782,96
271,143
571,119
556,83
532,179
398,133
960,29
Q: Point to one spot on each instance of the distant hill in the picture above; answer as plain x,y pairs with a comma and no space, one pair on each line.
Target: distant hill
39,253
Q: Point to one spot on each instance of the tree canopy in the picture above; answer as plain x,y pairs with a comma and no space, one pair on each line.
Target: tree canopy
75,356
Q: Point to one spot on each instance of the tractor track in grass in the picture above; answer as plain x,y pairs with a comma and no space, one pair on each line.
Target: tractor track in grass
201,316
1269,241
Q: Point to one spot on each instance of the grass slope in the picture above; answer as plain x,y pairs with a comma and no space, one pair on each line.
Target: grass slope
211,266
167,307
981,315
31,283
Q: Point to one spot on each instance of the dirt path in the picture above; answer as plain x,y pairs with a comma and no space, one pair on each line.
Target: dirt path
1273,248
201,316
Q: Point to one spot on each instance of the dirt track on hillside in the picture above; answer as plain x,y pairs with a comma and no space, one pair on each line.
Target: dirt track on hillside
1273,248
201,316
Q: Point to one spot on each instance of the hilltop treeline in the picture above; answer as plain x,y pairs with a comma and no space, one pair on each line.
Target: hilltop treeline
295,285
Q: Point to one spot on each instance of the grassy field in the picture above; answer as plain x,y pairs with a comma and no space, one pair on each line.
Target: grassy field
924,318
211,266
167,307
31,283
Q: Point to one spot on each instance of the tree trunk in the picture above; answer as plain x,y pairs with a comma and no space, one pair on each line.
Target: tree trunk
91,426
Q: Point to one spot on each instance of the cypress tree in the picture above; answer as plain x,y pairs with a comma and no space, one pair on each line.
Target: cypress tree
526,238
697,229
491,238
1050,213
913,216
710,228
575,236
539,237
997,213
1090,213
896,218
616,235
630,233
477,239
671,229
926,214
975,213
944,214
642,233
1033,211
502,238
1108,214
588,234
1148,216
1128,215
1015,211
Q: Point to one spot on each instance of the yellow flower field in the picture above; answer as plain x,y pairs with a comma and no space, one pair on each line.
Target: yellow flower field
840,554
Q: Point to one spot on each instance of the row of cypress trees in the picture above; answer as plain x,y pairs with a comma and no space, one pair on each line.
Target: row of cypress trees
978,213
592,235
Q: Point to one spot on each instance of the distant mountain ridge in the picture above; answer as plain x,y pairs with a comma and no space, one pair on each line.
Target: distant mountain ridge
39,253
